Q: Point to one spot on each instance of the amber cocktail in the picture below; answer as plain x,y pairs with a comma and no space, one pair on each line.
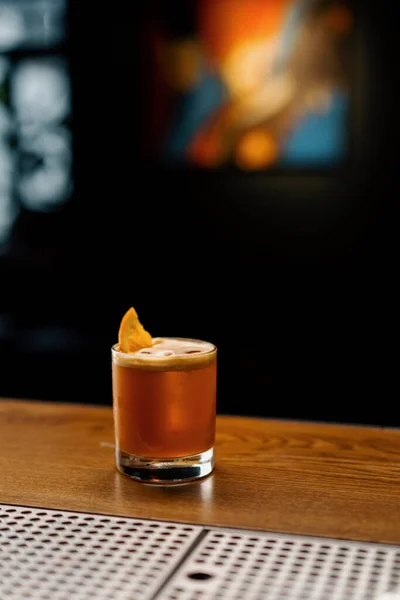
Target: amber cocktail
164,409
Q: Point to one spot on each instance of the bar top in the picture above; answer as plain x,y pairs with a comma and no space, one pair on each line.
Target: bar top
295,477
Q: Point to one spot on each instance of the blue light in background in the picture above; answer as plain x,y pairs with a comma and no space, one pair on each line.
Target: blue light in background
319,139
194,108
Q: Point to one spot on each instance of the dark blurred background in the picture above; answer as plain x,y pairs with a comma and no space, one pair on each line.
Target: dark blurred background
290,268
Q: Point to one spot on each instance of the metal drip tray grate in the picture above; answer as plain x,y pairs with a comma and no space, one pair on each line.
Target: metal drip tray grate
237,565
60,555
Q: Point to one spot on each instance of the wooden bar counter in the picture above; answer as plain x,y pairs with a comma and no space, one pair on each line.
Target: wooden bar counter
295,477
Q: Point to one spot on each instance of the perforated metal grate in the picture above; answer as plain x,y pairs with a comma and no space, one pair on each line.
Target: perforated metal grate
60,555
236,565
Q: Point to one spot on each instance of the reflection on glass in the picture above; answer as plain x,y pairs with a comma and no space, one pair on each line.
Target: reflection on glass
5,117
40,91
35,109
7,208
254,83
40,97
8,213
45,163
11,26
26,24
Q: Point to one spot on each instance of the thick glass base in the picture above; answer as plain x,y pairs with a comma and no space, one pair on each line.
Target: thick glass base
166,470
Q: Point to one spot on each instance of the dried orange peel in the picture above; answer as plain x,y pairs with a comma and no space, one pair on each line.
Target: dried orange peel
131,335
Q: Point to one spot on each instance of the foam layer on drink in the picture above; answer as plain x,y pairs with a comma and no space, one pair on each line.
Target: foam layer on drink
168,353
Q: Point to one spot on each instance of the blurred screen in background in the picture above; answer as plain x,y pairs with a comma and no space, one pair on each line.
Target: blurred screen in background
35,110
260,84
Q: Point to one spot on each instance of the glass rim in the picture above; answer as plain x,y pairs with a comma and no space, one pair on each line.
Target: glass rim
115,348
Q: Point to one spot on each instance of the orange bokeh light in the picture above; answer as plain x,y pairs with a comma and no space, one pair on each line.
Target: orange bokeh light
256,149
224,24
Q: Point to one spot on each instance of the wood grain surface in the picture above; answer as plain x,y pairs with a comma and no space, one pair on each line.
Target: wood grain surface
295,477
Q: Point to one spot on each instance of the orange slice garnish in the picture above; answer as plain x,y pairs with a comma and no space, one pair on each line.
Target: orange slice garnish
131,335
